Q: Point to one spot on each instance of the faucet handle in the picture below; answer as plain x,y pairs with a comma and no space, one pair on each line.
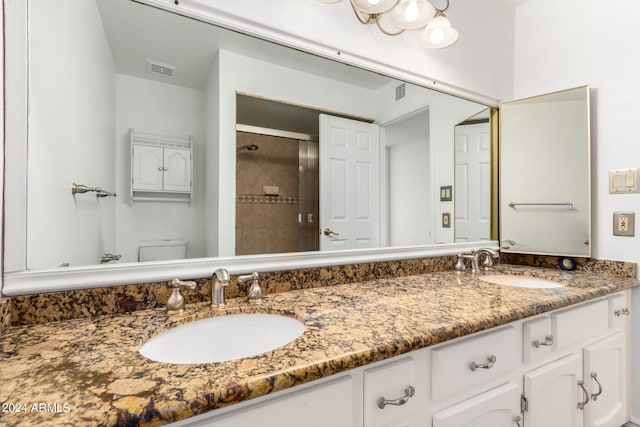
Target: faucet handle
460,264
175,303
177,284
254,294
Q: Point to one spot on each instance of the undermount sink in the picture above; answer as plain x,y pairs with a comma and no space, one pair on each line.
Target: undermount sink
222,338
520,281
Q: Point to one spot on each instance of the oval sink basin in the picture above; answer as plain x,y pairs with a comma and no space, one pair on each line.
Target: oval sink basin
520,281
222,338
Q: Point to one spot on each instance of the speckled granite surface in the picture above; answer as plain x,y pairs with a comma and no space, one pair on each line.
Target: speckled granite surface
43,308
91,370
621,268
5,314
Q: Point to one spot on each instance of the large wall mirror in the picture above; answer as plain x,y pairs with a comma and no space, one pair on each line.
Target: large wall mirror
289,152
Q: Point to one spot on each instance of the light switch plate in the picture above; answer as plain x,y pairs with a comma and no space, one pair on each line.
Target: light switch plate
624,224
624,181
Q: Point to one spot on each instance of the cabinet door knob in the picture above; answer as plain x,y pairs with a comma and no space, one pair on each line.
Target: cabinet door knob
491,360
623,312
581,405
409,392
517,420
548,341
594,396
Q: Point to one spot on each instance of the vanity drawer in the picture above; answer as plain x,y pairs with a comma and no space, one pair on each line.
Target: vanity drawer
453,369
536,339
388,382
618,311
577,324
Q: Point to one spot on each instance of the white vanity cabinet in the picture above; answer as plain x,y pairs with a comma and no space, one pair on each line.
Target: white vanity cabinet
161,167
494,378
589,386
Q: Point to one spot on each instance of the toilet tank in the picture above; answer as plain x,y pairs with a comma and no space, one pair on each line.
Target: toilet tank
158,250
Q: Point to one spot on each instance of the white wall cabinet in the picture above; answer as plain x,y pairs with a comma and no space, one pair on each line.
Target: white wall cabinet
161,167
438,387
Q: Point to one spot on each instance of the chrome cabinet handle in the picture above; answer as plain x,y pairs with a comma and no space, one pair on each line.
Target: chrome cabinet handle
594,396
547,341
491,360
517,421
623,312
581,405
409,392
328,232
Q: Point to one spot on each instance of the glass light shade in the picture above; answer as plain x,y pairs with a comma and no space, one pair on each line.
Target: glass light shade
412,14
373,6
438,33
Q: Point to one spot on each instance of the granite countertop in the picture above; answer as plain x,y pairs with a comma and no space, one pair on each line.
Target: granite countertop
89,371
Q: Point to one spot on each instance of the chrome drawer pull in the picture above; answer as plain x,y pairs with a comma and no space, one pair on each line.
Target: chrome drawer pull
409,392
594,396
517,421
490,362
623,312
547,341
581,405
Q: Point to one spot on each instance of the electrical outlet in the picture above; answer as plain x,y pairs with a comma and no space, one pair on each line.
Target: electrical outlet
624,224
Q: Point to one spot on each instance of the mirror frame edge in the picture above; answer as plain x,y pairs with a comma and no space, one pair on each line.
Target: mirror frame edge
19,281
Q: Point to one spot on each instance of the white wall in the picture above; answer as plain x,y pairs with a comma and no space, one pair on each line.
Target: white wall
584,43
480,61
243,74
167,109
411,202
212,157
69,47
446,112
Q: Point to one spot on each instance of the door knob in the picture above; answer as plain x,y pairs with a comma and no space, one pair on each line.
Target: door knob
328,232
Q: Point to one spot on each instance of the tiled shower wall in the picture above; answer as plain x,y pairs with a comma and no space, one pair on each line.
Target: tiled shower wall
266,223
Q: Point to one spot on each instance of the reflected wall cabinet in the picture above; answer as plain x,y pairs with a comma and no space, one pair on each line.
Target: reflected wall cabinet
161,167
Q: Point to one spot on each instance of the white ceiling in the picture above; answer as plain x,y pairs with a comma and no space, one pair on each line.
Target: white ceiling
137,32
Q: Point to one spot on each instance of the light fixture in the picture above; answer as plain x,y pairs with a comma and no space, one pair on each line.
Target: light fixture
438,33
407,15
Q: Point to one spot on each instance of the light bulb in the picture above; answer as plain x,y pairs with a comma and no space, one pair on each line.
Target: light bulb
373,2
437,35
412,12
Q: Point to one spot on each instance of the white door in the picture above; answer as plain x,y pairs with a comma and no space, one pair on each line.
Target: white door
473,182
553,394
606,360
499,407
177,170
349,184
147,167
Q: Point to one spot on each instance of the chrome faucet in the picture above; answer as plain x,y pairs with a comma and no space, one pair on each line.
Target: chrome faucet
474,256
219,281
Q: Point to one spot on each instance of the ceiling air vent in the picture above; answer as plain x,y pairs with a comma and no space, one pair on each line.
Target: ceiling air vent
166,70
400,92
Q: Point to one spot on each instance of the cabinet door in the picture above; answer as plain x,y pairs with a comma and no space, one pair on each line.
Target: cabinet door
606,359
147,169
495,408
553,394
177,170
